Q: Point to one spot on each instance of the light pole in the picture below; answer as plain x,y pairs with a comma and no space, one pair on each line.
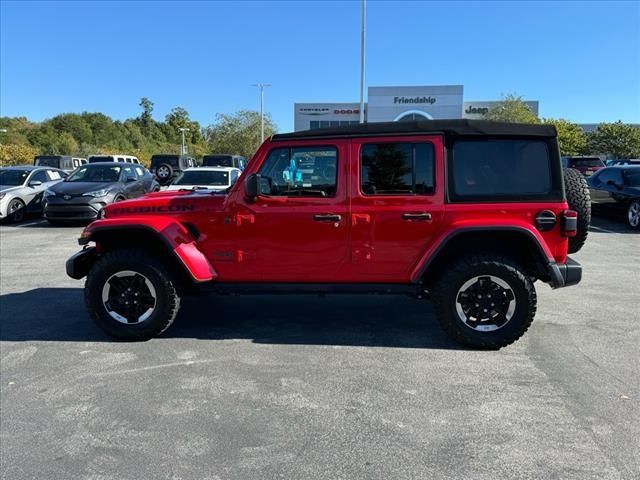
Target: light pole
261,85
183,147
362,57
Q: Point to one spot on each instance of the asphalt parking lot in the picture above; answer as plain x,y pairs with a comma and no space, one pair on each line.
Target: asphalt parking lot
317,387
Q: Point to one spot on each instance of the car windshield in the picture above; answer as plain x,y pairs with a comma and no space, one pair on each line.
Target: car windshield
13,177
95,173
100,159
48,161
632,178
587,162
204,177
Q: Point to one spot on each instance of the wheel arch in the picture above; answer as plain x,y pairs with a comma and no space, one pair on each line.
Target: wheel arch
515,242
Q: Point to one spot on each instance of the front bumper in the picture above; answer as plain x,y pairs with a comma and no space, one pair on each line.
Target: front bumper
79,264
565,275
77,208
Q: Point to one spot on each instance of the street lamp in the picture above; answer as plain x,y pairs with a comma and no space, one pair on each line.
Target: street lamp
362,55
261,85
184,146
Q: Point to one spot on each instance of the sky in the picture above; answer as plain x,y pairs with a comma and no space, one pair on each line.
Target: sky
581,60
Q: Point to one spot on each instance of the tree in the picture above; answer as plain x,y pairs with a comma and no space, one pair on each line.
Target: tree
615,140
17,155
238,133
512,109
571,138
147,110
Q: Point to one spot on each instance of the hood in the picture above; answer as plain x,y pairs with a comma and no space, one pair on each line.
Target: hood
10,188
78,188
167,203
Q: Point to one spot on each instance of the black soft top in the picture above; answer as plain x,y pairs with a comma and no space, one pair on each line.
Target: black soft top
451,128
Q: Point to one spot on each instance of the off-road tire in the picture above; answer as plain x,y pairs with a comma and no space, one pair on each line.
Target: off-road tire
164,282
164,180
447,286
18,214
579,199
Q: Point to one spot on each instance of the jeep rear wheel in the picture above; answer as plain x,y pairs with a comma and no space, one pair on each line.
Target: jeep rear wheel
579,199
131,295
485,301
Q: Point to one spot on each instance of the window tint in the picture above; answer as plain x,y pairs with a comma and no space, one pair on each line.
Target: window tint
305,171
610,175
500,168
40,176
396,168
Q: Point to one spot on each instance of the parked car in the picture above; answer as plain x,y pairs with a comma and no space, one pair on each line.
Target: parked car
587,166
235,161
626,161
84,194
113,158
206,178
61,162
166,167
359,209
615,191
22,189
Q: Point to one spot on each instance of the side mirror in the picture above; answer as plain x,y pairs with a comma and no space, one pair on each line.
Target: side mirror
252,186
130,179
35,183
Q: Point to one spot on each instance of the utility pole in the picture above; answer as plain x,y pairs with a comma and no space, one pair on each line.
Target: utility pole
363,39
261,85
183,147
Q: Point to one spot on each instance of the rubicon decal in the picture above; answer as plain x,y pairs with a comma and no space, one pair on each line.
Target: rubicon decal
154,209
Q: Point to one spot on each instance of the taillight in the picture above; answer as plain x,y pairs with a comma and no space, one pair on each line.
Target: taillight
569,226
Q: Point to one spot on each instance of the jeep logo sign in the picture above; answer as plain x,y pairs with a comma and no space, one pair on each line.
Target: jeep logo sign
477,110
419,100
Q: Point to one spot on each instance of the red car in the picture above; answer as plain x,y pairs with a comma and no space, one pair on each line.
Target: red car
470,213
587,166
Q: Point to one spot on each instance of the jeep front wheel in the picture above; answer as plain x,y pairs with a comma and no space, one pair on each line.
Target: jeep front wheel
131,295
485,301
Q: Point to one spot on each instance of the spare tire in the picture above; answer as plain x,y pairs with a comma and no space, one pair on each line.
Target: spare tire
164,173
579,200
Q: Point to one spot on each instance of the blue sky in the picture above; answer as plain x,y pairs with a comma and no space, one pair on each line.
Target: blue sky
581,60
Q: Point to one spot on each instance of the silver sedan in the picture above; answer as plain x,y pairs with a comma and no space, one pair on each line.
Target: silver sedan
22,189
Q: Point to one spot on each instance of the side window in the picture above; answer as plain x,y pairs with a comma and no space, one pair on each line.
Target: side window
76,163
234,176
127,171
397,169
304,171
53,175
610,175
139,171
40,176
120,159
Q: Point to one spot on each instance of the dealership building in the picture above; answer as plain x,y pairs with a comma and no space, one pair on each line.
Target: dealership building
386,104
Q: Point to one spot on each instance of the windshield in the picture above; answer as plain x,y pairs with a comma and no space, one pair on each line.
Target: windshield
217,161
587,162
48,161
203,177
13,177
632,178
95,173
100,159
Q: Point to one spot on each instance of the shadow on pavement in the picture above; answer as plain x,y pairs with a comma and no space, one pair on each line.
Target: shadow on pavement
58,314
603,221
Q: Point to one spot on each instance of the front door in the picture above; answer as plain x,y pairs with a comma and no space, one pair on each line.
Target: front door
397,204
297,229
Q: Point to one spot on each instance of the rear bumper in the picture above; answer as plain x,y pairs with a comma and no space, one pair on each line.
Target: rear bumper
565,275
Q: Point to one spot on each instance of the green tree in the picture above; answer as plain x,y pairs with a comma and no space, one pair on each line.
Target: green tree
512,109
238,133
615,140
147,109
17,155
571,138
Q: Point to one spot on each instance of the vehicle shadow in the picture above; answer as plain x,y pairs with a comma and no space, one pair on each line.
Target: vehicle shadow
372,321
604,222
36,221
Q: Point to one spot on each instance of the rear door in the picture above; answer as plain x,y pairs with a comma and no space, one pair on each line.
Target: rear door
397,204
132,189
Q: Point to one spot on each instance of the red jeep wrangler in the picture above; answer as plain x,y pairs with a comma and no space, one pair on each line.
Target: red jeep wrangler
470,213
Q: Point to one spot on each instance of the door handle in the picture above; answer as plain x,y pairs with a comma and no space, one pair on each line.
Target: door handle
423,216
327,217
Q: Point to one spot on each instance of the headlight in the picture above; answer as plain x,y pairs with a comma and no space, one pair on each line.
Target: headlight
49,193
97,193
